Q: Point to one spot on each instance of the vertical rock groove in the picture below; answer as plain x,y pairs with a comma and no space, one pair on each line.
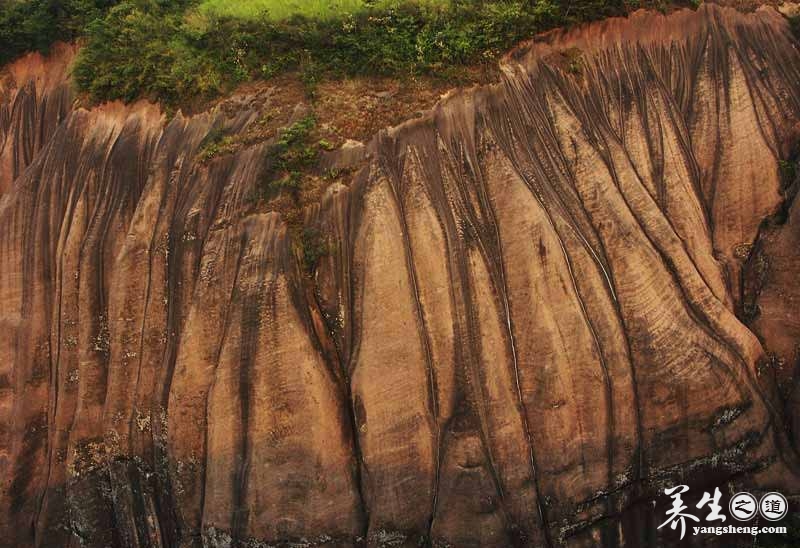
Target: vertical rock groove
526,324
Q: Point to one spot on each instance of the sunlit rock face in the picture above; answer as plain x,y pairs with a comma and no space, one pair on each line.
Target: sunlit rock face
525,326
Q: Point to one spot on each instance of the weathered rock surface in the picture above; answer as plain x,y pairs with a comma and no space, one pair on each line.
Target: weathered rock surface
525,326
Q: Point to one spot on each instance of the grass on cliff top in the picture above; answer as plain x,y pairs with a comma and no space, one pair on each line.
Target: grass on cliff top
278,9
181,52
282,9
177,52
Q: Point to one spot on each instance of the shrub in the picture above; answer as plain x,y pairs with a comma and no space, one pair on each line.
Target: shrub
139,49
33,25
291,154
173,52
214,144
179,51
313,247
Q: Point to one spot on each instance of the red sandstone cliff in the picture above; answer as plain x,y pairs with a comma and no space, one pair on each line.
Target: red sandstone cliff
525,328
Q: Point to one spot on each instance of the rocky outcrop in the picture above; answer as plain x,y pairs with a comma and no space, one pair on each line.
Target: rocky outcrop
771,298
524,325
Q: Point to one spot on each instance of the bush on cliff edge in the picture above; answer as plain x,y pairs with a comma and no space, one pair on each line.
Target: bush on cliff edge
170,54
175,51
34,25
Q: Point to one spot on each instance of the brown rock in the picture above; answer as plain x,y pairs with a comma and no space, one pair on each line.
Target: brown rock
523,330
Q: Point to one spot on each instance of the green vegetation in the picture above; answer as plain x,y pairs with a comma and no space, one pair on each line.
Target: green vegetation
313,247
215,144
146,48
292,153
278,9
188,51
175,55
34,25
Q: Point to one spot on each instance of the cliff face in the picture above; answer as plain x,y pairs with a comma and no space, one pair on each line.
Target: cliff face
525,325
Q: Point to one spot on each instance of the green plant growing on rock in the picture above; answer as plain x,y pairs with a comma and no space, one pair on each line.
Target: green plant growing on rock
292,153
313,247
176,53
215,144
325,144
181,52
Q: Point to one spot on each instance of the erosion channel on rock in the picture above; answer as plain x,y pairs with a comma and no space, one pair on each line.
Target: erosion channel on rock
529,318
